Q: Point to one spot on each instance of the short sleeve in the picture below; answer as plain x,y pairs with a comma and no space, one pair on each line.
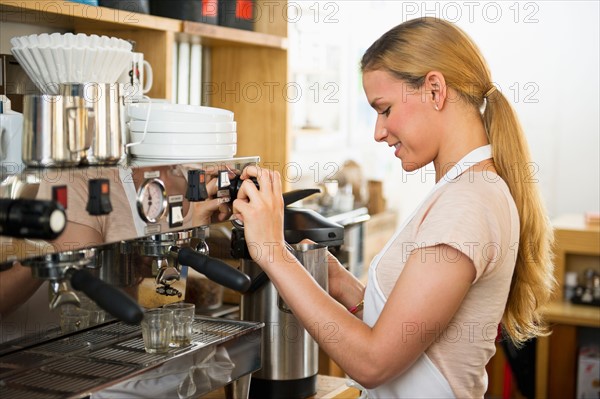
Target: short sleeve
471,217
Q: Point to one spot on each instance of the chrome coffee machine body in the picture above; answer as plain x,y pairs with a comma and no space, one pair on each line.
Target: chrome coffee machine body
129,231
290,354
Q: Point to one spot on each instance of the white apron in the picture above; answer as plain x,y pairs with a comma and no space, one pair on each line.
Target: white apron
422,379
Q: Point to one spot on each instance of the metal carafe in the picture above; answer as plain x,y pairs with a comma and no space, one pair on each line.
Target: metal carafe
57,130
107,103
289,353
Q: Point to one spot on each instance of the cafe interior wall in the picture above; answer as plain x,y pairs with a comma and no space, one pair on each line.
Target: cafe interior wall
544,57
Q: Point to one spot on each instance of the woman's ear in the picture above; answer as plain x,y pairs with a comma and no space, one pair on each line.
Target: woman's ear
435,87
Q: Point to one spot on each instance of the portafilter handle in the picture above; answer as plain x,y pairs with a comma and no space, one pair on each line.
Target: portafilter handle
214,269
109,298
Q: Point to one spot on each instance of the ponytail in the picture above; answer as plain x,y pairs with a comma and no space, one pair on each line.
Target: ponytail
533,280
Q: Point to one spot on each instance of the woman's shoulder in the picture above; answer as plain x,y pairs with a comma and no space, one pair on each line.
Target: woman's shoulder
478,183
476,193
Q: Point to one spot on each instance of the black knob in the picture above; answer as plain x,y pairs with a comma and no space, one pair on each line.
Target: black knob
23,218
236,183
239,249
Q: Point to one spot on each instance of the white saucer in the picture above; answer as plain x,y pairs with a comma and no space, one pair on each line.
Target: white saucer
161,112
184,139
182,127
172,151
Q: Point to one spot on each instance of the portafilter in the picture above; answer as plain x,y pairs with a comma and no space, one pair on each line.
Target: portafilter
58,268
173,250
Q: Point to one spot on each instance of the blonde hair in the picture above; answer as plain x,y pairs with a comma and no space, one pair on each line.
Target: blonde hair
411,50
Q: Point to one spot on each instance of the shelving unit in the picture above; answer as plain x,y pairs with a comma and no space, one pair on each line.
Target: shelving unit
213,35
249,69
556,355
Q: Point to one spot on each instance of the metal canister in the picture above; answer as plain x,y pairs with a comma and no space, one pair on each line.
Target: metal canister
57,130
108,104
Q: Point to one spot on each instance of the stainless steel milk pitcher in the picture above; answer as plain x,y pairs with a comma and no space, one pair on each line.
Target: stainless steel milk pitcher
314,259
57,130
108,102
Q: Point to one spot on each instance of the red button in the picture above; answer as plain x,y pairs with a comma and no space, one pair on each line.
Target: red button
59,194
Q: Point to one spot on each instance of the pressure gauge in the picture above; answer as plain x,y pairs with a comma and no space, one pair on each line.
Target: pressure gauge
152,200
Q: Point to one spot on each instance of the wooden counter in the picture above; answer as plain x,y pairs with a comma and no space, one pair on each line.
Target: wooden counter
570,314
327,388
334,387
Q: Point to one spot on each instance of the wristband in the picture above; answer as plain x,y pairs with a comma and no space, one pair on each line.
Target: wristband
356,308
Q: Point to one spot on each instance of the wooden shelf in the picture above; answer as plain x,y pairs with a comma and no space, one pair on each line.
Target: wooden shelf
572,236
81,17
77,16
214,35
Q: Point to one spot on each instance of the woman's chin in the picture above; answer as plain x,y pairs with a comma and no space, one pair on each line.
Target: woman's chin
409,166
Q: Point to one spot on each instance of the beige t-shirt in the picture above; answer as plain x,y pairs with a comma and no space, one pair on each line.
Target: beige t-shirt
475,214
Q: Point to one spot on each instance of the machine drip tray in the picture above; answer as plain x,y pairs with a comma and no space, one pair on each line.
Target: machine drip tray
111,358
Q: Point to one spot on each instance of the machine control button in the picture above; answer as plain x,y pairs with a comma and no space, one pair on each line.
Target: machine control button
59,194
99,197
196,190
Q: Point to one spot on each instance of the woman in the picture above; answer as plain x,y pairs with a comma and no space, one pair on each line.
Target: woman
475,253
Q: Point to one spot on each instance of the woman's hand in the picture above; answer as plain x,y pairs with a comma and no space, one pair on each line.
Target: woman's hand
213,209
261,211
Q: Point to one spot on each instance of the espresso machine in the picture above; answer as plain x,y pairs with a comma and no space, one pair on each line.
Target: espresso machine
92,223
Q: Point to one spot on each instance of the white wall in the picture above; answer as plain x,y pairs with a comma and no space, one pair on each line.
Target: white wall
543,55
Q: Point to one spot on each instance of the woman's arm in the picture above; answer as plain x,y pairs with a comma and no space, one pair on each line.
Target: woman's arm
16,286
426,296
343,285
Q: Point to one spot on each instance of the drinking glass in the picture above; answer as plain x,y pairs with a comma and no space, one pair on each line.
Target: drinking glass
73,318
183,319
97,315
157,328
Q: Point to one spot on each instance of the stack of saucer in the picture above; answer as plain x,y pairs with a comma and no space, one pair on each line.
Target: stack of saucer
180,132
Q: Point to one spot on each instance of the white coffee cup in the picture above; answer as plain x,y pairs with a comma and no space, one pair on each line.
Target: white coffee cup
137,79
11,131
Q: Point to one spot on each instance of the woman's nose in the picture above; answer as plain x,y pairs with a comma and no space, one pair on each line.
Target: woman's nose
380,132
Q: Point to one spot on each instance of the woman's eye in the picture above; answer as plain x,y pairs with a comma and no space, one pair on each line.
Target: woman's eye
386,112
